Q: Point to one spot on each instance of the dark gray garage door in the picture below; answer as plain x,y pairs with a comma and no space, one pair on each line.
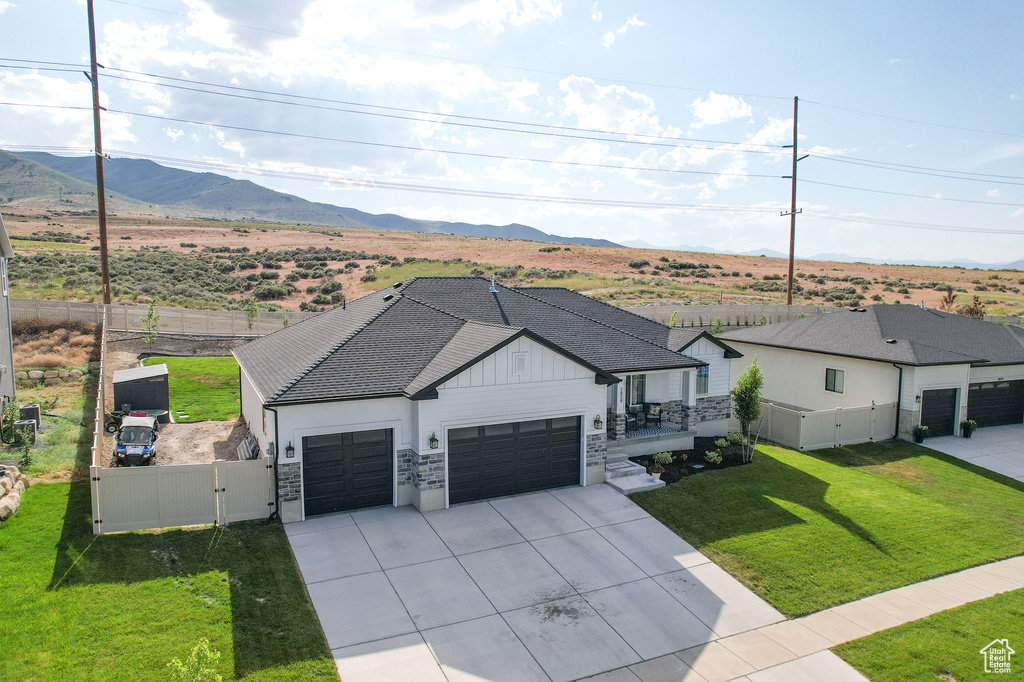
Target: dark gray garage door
938,411
501,459
996,402
346,470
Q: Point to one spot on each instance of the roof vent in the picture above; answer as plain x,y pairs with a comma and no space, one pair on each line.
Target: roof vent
890,340
397,284
388,297
858,310
493,289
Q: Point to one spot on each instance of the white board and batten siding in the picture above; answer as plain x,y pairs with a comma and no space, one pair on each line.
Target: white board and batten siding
316,419
492,391
252,411
719,368
999,373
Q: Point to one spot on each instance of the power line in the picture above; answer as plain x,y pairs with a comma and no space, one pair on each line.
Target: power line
938,174
480,155
442,118
433,189
886,222
844,158
912,120
912,196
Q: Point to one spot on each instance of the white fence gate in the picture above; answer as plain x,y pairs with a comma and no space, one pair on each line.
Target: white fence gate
138,498
816,429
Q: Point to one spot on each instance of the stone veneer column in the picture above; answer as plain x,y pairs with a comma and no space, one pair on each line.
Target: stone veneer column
908,420
428,476
713,408
289,491
673,411
595,458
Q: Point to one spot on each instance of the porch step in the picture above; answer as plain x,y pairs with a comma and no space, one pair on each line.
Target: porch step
615,454
635,484
622,469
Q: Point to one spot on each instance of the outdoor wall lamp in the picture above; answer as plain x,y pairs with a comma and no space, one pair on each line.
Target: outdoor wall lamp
289,452
433,441
598,424
917,398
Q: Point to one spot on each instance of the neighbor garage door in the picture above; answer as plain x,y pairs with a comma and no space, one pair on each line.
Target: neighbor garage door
501,459
346,470
938,411
996,402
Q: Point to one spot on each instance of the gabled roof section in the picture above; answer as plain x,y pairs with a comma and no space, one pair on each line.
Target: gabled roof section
406,339
473,341
901,334
676,339
681,338
276,361
595,341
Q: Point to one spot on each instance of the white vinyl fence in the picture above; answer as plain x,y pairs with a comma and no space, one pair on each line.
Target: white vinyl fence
816,429
128,318
138,498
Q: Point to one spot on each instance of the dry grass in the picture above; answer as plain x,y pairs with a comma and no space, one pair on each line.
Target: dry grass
40,344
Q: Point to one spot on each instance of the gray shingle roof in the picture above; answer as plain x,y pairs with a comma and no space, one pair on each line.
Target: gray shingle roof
429,327
922,336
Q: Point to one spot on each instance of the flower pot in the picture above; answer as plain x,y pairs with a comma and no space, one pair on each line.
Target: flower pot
968,433
656,475
918,437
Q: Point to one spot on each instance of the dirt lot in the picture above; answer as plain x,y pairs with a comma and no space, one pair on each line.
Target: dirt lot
199,443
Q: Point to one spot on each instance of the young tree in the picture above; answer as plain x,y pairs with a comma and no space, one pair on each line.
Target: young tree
976,309
716,328
250,313
150,323
672,320
746,398
948,300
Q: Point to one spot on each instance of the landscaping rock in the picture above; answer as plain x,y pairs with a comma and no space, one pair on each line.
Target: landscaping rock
52,381
27,383
63,373
94,366
21,375
51,374
75,373
12,484
35,374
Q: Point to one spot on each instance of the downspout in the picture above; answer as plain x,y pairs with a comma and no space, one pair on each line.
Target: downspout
899,397
277,449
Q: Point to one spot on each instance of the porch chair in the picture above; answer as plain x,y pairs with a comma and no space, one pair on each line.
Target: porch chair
652,413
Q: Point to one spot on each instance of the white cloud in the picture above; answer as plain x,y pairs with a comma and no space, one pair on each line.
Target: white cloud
174,133
516,92
608,107
718,109
4,6
595,13
1014,97
441,46
1017,213
895,61
542,144
70,127
473,216
993,194
491,15
632,22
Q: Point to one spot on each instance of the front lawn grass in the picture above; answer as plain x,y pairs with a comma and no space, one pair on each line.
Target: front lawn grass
945,644
202,388
807,531
120,606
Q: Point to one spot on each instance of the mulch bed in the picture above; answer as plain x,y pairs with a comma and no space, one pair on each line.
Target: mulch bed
694,462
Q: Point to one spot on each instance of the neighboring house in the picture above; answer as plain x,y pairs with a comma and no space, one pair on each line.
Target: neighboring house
937,368
441,390
6,337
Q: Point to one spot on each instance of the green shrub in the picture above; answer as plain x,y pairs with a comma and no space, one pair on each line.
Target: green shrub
662,458
713,457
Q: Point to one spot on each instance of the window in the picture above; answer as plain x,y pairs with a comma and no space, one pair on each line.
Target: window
703,375
636,388
834,380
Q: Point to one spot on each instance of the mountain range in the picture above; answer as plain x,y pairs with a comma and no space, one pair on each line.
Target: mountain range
142,185
835,257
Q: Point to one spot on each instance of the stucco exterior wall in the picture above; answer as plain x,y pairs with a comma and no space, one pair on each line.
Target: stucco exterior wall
797,378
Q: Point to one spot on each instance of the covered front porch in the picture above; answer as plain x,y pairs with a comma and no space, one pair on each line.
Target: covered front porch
648,412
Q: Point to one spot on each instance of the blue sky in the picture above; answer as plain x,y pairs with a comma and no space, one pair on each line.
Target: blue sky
661,121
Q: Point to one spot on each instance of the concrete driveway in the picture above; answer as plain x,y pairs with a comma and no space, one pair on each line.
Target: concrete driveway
554,585
997,448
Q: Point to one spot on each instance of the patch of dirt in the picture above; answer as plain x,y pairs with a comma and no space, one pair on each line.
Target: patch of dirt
40,344
199,443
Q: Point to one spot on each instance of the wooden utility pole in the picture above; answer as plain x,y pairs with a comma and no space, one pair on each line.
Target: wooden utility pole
792,209
101,195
